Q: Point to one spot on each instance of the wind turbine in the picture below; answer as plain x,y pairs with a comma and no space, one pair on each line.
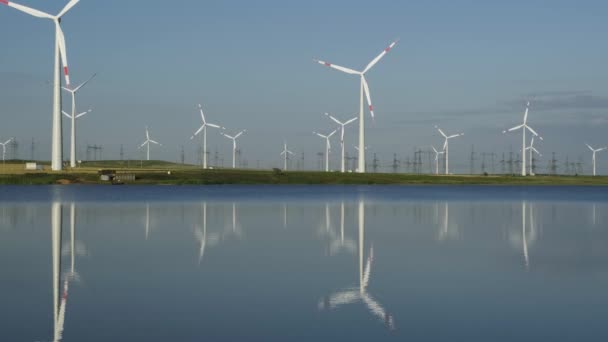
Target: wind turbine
524,126
327,146
591,148
364,89
532,149
234,145
147,142
73,117
203,128
4,148
437,153
60,52
446,147
284,154
342,124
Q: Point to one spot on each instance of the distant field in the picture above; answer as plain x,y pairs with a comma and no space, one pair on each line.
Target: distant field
157,172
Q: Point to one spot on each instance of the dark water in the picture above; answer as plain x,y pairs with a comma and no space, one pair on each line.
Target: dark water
263,263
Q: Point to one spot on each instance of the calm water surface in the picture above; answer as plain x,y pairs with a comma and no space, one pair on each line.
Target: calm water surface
263,263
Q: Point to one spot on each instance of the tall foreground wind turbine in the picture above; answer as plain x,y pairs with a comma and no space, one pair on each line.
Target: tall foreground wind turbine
591,148
364,90
73,117
233,138
147,142
531,148
11,139
524,126
446,147
285,154
203,128
342,125
437,153
60,52
327,146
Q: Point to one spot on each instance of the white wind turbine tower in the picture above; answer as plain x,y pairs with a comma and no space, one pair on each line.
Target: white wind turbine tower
203,128
342,125
531,149
591,148
446,147
285,154
147,142
60,52
364,90
524,126
233,138
73,117
11,139
327,146
437,153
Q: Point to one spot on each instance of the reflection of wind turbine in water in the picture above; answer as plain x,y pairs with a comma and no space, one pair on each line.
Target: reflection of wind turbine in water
236,226
59,304
339,243
448,231
74,247
353,294
202,236
528,235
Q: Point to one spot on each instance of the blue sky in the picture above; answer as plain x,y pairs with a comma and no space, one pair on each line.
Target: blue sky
464,65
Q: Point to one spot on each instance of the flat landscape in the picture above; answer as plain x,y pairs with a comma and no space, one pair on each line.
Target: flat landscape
165,173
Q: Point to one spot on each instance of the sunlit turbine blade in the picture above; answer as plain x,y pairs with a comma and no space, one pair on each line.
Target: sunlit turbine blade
239,133
155,142
84,83
63,53
142,145
591,148
601,149
66,114
526,113
440,131
334,119
533,132
213,125
337,67
515,128
332,133
28,10
349,121
367,95
197,132
455,135
445,144
379,57
434,149
200,107
67,8
84,113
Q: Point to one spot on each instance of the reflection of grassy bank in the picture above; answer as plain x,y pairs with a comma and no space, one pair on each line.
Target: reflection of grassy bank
156,173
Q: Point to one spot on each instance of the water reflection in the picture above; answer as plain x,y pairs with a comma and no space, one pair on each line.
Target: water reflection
354,294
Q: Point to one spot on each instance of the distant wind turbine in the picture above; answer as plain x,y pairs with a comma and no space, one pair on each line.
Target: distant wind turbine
73,118
327,146
60,52
285,154
591,148
524,126
532,149
364,90
233,138
4,148
203,128
437,153
446,147
342,125
147,142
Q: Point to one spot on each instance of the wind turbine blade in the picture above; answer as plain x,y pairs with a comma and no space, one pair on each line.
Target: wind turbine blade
367,95
441,131
332,133
337,67
282,153
591,148
349,121
147,134
197,132
601,149
526,113
213,125
66,114
63,53
533,131
379,57
321,135
28,10
240,133
202,114
515,128
83,113
155,142
290,152
445,144
84,83
434,149
67,8
455,135
142,145
334,119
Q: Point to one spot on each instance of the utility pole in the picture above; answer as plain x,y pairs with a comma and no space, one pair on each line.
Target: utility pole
122,153
553,164
395,163
33,150
483,163
183,156
502,164
473,158
375,163
302,165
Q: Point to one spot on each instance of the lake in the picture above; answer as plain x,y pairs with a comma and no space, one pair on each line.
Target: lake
303,263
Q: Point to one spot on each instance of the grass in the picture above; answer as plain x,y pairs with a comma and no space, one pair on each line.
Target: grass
156,172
